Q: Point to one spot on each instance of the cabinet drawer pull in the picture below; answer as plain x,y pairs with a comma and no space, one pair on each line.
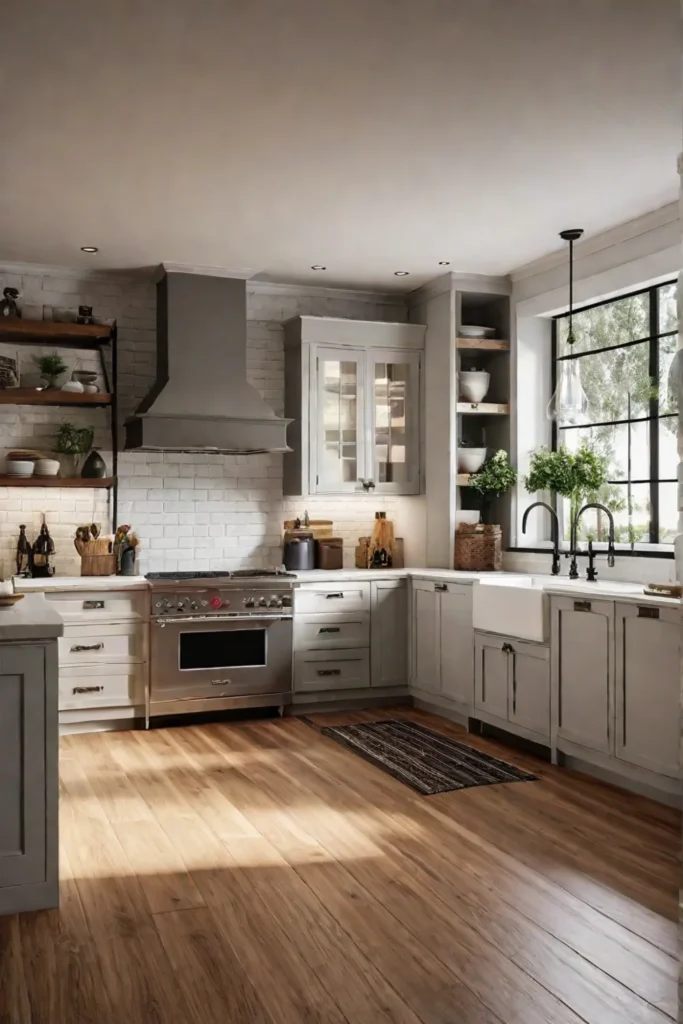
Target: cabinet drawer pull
507,649
646,612
91,605
79,648
440,586
329,629
87,689
582,606
329,671
334,597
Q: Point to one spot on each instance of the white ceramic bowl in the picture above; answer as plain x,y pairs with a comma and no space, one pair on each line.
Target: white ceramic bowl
17,467
474,384
475,331
470,460
467,516
90,389
73,385
46,467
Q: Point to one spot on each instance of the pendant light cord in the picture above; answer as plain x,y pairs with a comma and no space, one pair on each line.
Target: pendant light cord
570,335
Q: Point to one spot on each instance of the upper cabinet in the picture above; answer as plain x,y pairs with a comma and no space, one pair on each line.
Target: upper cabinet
353,391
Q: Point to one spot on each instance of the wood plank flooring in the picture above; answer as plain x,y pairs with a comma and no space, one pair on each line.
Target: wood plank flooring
262,874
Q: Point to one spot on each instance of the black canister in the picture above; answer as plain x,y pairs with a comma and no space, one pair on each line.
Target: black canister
299,551
94,467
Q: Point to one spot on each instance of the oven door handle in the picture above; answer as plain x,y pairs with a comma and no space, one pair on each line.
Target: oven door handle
223,619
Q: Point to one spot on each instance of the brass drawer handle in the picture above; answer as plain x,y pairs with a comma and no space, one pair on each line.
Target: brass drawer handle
329,671
329,629
79,648
87,689
91,605
440,586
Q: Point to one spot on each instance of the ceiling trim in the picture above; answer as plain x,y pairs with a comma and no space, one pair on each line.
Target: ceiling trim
136,274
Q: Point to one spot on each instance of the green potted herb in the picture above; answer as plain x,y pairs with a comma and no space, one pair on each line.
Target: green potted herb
578,475
494,479
71,443
51,367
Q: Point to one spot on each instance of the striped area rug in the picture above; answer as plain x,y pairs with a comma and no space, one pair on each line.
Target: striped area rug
423,759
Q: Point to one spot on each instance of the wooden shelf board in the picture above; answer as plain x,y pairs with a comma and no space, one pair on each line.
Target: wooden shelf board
483,408
482,344
32,396
39,332
55,481
463,479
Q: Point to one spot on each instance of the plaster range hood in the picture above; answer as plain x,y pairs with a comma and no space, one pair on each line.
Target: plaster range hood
201,400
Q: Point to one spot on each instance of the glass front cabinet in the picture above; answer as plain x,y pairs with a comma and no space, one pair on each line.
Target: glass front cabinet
353,392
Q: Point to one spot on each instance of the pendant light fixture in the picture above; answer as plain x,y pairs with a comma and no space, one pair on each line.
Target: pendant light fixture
569,404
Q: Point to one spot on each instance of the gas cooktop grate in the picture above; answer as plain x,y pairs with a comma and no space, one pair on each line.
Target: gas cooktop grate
242,574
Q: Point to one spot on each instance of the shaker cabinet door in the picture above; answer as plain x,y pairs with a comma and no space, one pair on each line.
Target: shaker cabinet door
648,687
583,652
388,633
456,643
426,637
529,694
491,675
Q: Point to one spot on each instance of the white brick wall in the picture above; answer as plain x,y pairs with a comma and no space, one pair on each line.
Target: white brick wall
190,511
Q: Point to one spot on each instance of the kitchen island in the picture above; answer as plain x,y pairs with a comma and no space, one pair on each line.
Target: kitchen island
29,865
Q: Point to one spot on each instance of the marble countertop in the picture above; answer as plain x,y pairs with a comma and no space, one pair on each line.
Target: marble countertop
55,583
33,618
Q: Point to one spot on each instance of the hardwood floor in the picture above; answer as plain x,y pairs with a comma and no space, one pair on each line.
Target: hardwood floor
261,873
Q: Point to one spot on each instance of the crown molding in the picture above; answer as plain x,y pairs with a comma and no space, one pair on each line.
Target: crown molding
135,274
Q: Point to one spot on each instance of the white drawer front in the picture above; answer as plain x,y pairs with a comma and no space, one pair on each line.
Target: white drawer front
322,598
333,670
92,687
101,644
92,606
330,632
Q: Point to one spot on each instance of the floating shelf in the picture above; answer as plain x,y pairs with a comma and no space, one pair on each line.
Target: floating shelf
32,396
56,481
38,332
483,409
463,479
482,344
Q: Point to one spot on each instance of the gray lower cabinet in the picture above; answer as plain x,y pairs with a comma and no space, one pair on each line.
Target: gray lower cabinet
512,684
389,633
28,777
582,645
648,687
426,672
443,640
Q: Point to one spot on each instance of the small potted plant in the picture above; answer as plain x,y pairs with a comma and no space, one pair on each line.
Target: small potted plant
479,547
51,367
72,443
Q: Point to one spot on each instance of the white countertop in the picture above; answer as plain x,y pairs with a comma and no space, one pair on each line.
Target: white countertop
33,618
330,575
25,586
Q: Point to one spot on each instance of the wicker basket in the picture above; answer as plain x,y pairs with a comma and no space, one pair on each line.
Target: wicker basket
478,548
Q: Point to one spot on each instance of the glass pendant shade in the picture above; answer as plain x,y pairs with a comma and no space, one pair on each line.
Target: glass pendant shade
569,404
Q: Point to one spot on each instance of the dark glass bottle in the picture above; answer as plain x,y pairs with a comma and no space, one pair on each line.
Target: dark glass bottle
23,551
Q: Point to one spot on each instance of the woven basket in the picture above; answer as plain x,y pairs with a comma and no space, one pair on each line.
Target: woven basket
478,548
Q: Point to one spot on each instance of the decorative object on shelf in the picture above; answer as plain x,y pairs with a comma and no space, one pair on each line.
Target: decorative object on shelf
46,467
478,548
470,460
19,467
381,547
9,373
9,309
88,378
569,403
84,315
94,466
71,443
474,385
23,552
51,367
580,476
475,331
495,479
73,386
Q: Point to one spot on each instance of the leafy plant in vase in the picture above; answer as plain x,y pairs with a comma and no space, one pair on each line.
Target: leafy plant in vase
495,478
579,476
72,443
51,367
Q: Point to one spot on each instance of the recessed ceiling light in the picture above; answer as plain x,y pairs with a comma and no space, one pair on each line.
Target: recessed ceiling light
318,266
89,248
401,273
444,263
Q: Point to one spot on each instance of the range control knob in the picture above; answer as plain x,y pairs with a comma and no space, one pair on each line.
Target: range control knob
216,602
248,602
263,602
275,602
193,606
287,601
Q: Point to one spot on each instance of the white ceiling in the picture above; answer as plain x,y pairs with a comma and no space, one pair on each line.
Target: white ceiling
366,135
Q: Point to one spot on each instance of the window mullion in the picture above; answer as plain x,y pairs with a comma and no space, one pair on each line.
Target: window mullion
654,413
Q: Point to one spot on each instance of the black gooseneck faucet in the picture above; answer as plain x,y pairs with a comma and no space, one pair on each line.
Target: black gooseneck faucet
592,572
556,532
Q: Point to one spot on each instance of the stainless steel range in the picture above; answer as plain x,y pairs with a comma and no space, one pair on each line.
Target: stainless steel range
219,641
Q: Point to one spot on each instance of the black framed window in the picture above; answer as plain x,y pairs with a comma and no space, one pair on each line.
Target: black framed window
625,347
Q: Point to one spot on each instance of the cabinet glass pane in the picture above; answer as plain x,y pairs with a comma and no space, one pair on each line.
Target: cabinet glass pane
339,422
392,400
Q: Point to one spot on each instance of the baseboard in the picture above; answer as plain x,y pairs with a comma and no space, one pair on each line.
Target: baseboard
661,796
100,725
19,899
443,710
349,704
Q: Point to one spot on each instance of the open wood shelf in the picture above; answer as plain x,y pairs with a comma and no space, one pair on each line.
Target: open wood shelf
463,479
482,345
483,409
40,332
56,481
34,396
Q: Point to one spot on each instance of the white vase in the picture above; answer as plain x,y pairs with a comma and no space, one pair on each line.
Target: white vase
473,385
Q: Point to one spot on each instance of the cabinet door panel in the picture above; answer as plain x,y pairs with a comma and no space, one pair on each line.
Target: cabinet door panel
583,635
426,637
22,765
491,676
648,688
457,644
339,420
388,633
530,688
394,421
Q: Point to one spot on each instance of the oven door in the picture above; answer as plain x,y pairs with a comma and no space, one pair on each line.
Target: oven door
201,658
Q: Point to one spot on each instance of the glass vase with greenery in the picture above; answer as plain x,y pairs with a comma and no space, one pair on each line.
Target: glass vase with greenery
495,478
579,476
51,367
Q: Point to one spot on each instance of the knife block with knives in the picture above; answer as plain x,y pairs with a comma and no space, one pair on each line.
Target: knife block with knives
96,554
